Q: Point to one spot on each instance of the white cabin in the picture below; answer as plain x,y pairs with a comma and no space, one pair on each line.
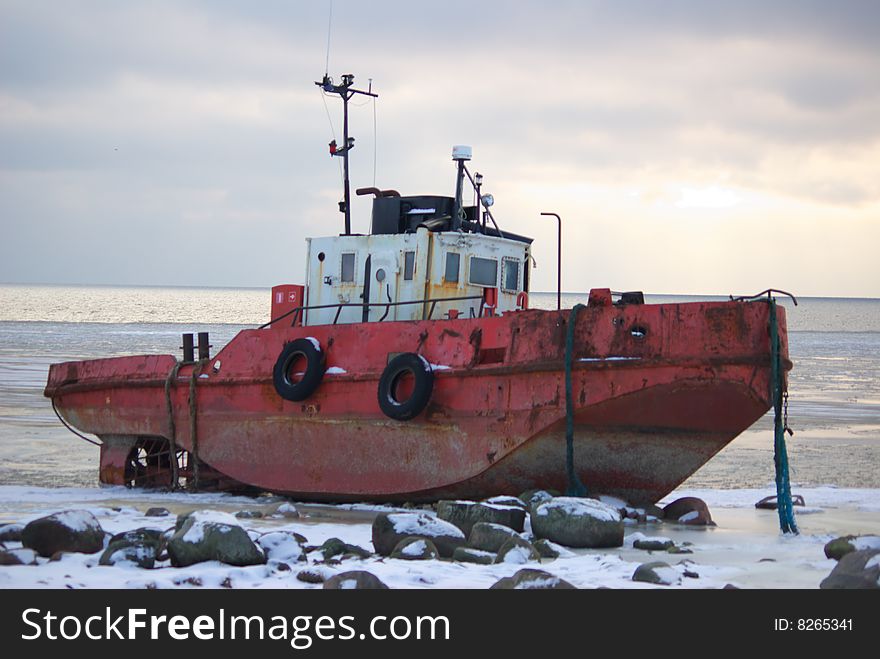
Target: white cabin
412,263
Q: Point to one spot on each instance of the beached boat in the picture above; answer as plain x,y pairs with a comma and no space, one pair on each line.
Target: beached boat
408,366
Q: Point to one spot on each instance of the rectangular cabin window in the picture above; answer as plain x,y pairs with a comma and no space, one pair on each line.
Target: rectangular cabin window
484,272
510,276
348,266
453,261
409,265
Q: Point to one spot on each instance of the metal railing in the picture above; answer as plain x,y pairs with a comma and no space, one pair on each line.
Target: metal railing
296,313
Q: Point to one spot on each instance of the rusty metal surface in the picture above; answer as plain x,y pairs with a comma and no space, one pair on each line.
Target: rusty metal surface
659,389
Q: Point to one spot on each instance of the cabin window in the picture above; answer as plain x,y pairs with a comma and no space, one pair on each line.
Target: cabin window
510,275
409,265
348,266
484,272
453,261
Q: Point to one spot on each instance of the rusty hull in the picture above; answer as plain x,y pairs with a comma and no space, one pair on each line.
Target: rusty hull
658,390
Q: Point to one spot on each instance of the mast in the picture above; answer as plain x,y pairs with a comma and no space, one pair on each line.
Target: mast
345,91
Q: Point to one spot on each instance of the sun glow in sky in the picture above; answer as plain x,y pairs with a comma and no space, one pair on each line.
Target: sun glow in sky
690,147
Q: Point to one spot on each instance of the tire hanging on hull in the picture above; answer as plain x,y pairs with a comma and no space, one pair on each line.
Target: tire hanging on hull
285,381
407,363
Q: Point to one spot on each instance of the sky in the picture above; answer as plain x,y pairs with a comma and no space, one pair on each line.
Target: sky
690,147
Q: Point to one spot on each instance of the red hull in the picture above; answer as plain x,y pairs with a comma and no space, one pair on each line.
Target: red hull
658,390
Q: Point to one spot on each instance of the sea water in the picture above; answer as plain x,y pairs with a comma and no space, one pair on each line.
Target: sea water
833,342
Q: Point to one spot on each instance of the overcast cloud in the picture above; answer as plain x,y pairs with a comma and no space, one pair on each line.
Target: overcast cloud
691,147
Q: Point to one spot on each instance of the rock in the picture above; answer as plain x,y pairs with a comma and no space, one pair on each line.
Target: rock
18,557
391,528
336,547
855,570
205,516
577,522
532,497
654,544
489,537
415,549
70,530
506,500
281,546
286,510
688,510
356,579
470,555
549,549
679,550
839,547
529,579
770,503
657,572
157,512
248,514
464,514
11,532
310,576
517,550
202,539
140,547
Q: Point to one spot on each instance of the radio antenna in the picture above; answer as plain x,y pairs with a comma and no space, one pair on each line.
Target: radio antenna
329,26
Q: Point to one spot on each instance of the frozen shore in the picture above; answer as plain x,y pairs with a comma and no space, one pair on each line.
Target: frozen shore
745,549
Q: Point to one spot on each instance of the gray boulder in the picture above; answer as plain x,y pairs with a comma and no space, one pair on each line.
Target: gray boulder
157,512
533,497
653,544
549,549
391,528
517,550
354,580
578,522
528,579
690,511
140,547
855,570
286,510
335,547
201,539
489,537
839,547
415,549
70,530
657,572
464,514
11,532
470,555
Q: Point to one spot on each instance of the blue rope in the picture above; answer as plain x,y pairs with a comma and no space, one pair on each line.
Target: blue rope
780,458
575,487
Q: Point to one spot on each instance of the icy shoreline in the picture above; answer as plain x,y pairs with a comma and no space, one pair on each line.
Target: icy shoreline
745,549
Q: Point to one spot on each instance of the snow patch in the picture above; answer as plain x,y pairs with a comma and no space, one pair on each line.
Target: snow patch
439,367
77,520
315,342
416,524
335,370
689,516
417,548
866,542
517,555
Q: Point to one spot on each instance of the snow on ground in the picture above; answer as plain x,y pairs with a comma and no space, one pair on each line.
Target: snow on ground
745,549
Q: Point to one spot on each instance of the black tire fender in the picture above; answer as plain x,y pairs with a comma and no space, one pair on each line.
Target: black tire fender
423,386
301,389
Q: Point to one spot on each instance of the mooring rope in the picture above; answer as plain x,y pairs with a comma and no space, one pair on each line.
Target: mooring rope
172,427
193,426
780,458
575,487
